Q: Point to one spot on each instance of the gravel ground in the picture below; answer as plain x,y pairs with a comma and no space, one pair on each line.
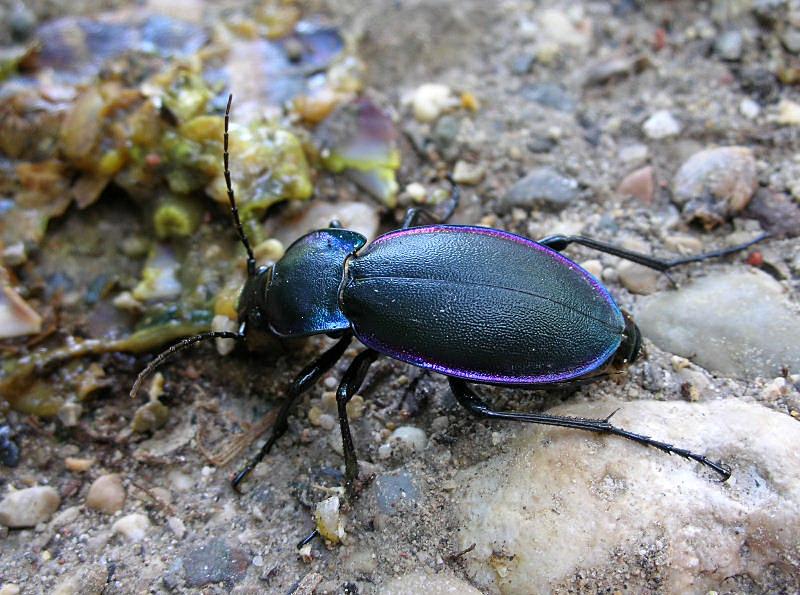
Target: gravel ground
598,118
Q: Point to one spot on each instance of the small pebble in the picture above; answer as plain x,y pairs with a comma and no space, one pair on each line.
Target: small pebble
594,267
329,519
639,184
637,278
791,39
150,417
729,45
106,494
29,507
417,192
543,186
9,589
9,451
715,184
749,108
70,414
788,113
327,421
177,526
683,244
549,95
14,254
662,124
431,100
633,155
221,323
133,527
180,481
78,465
467,173
409,437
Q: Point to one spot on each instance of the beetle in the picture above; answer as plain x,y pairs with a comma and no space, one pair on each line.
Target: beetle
478,305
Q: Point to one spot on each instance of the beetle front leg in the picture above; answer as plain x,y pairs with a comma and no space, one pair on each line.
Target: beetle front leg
415,214
471,401
348,387
304,380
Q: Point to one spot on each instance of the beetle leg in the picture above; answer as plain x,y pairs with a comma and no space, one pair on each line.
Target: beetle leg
470,400
348,387
415,214
304,380
559,243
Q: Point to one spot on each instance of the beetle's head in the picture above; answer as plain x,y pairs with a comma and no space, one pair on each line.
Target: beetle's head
252,307
631,345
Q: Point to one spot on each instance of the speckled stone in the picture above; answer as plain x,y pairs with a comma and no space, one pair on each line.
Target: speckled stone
215,562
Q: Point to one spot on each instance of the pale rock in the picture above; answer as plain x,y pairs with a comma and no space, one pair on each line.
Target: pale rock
429,583
431,100
565,510
106,494
133,527
467,173
89,580
29,507
749,108
637,278
662,124
788,113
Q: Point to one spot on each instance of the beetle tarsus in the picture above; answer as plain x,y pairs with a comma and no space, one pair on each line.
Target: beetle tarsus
472,402
304,380
348,387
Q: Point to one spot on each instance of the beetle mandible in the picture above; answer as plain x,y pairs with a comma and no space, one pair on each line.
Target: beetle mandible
478,305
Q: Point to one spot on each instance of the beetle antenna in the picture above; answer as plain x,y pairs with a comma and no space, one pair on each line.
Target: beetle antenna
251,259
180,345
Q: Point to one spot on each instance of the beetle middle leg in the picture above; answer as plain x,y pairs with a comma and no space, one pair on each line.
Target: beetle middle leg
559,243
348,387
305,380
467,397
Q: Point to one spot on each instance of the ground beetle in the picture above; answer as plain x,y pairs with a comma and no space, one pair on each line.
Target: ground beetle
478,305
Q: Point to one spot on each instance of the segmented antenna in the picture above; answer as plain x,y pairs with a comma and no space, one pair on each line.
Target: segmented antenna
251,259
180,345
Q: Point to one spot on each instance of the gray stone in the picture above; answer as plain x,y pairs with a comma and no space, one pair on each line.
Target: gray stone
566,511
791,40
445,135
729,45
543,186
215,562
522,64
736,324
549,95
395,491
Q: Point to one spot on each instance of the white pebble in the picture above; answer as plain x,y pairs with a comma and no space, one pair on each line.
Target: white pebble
661,124
329,520
430,100
468,173
416,191
594,267
29,507
177,526
132,527
9,589
749,108
410,437
219,323
180,481
633,154
788,113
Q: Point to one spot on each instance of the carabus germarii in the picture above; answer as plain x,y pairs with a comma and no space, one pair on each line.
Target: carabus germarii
478,305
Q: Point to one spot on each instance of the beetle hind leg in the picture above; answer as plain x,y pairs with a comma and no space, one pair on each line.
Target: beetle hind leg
348,387
467,398
559,243
305,380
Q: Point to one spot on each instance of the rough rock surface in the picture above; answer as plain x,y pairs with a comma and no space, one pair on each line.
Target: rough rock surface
562,509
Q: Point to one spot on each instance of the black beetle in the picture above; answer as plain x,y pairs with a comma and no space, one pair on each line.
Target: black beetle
476,304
